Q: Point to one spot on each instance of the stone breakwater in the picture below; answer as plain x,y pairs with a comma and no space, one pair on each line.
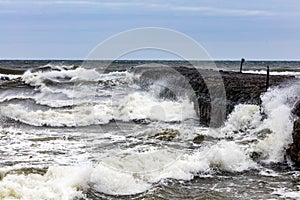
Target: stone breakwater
294,150
239,88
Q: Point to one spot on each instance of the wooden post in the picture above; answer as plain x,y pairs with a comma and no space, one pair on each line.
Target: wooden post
241,67
268,77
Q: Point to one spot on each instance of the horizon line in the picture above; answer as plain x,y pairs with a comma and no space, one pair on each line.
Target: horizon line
78,59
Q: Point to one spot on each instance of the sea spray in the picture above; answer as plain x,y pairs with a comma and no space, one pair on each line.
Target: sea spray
277,104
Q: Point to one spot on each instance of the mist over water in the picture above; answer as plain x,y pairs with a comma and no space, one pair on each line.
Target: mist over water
71,132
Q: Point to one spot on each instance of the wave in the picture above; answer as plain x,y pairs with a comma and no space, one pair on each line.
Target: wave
9,77
277,104
156,165
136,170
59,85
245,134
269,136
61,75
287,193
245,137
67,90
133,106
119,176
55,184
74,84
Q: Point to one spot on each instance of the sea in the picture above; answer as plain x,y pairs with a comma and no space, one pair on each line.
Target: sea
72,129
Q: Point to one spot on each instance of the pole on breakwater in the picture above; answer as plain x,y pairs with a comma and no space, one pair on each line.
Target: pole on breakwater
241,67
268,77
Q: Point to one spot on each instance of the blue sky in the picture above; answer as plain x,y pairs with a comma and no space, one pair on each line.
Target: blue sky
70,29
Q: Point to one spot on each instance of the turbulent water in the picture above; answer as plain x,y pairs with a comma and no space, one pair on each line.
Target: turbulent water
84,131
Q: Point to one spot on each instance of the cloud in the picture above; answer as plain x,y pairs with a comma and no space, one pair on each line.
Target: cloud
224,11
65,2
155,5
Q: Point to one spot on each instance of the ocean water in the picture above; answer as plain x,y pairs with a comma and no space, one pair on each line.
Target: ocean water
74,130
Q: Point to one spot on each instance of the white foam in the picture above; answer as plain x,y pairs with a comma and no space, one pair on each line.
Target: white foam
287,193
81,83
72,75
242,118
57,66
37,78
113,175
283,73
144,106
245,123
277,106
127,172
10,76
7,96
269,172
57,183
134,106
79,116
46,92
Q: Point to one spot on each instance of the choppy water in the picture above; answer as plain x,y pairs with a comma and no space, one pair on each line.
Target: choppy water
73,132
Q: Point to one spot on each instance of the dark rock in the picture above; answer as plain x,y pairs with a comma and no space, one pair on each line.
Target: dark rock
294,150
296,133
256,155
296,109
199,139
141,121
166,135
294,154
5,78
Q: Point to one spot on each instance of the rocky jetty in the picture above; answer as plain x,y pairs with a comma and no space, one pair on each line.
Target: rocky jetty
239,88
236,88
294,150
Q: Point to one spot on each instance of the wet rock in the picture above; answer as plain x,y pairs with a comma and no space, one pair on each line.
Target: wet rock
294,150
166,135
256,155
296,109
4,78
199,139
142,121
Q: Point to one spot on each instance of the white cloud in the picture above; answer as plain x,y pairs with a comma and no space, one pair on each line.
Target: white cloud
64,2
224,11
154,6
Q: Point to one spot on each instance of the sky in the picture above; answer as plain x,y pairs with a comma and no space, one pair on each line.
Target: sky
228,30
